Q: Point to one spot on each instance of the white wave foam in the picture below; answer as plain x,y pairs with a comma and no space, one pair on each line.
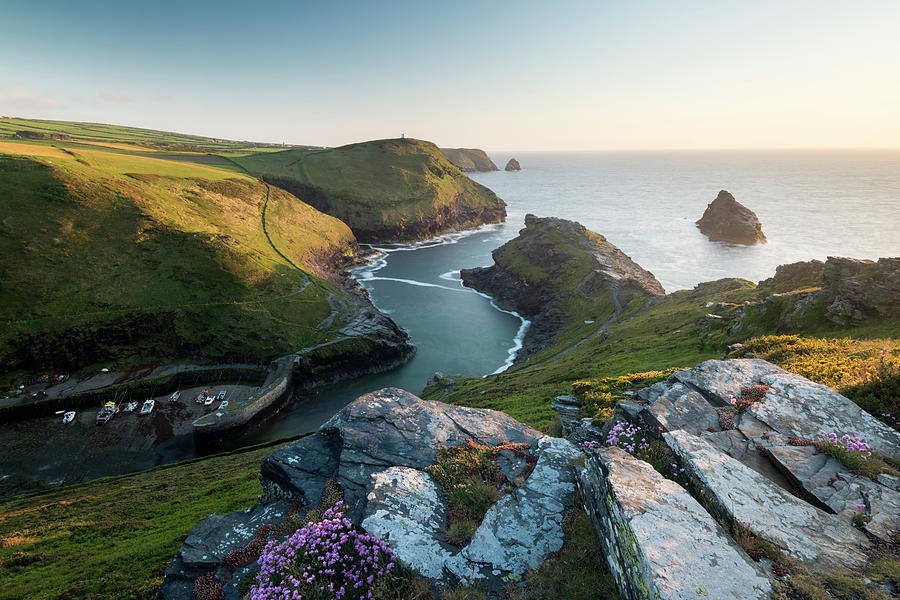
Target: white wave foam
450,275
414,282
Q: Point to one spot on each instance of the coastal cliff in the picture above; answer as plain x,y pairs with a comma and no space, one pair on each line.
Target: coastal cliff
470,160
385,190
556,271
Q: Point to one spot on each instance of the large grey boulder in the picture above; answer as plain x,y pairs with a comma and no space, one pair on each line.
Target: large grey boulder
727,220
386,428
659,542
804,532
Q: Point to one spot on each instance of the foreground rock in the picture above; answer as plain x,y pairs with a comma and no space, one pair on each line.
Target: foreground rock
376,450
659,541
768,446
727,220
512,165
537,273
807,534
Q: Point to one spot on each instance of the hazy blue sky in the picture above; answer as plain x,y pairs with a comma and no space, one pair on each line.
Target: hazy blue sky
497,75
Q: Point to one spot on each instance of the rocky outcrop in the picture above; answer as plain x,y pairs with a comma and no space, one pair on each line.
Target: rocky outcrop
856,289
377,449
470,160
727,220
659,542
794,276
758,466
512,165
537,273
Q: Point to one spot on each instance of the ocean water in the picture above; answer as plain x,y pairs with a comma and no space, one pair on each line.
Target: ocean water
811,204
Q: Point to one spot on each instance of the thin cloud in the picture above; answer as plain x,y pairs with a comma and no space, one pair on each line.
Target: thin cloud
115,97
19,97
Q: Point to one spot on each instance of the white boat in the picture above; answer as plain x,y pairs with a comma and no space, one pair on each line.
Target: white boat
69,417
130,407
223,405
209,400
147,408
175,396
221,395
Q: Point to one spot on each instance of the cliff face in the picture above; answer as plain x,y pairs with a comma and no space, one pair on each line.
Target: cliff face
470,160
402,189
556,271
727,220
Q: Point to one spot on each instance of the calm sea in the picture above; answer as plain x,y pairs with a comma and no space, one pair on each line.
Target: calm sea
812,204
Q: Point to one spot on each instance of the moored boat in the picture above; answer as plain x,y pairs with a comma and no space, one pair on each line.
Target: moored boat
69,417
107,412
223,405
175,396
130,407
147,407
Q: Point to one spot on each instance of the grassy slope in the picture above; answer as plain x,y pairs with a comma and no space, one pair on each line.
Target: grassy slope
470,159
373,186
168,253
113,538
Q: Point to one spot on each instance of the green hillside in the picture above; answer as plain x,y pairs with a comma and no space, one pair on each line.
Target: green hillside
470,159
383,189
110,255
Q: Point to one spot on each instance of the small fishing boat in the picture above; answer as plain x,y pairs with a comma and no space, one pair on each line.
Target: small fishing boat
175,396
130,407
223,405
221,395
107,412
209,400
147,407
69,417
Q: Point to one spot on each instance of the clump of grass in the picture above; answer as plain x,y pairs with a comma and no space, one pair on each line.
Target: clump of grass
599,397
577,572
470,480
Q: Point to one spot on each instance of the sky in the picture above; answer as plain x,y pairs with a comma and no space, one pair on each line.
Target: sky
526,75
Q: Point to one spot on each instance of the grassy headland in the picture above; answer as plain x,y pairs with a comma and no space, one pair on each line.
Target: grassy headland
470,159
383,189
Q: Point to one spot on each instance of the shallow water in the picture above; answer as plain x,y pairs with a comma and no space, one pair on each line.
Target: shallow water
811,204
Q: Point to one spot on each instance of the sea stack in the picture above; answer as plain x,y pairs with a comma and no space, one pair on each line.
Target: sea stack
727,220
512,165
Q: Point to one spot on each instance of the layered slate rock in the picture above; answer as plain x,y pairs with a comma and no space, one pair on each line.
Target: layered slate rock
659,541
807,534
574,429
857,289
765,436
838,490
512,165
727,220
210,541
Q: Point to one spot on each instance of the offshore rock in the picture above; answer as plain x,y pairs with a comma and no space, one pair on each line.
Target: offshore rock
538,273
512,165
804,532
727,220
659,541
